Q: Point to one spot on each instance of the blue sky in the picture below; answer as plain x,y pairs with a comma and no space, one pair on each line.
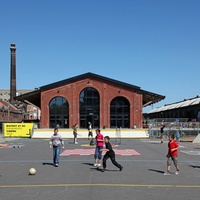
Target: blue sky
153,44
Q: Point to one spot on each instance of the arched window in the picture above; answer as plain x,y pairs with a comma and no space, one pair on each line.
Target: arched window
89,107
120,113
58,113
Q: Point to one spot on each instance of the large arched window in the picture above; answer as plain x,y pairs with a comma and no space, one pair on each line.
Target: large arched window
120,113
58,113
89,107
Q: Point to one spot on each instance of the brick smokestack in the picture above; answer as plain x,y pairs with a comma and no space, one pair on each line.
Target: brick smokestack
12,73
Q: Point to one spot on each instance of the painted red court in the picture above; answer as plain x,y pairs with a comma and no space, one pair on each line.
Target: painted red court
78,152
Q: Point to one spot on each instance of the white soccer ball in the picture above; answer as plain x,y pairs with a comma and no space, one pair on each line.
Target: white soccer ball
32,171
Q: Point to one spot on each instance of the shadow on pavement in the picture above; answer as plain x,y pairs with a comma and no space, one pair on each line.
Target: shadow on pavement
155,170
47,164
194,166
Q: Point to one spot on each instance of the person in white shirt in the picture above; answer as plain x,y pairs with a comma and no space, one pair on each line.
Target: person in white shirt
57,143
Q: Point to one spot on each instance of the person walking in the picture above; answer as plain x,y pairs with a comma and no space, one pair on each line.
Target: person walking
109,154
90,134
99,146
75,133
172,155
56,142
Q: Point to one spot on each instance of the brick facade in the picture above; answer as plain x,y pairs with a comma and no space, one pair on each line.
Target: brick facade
11,117
107,92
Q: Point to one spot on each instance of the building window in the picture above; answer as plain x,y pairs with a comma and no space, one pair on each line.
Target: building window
59,113
89,107
120,113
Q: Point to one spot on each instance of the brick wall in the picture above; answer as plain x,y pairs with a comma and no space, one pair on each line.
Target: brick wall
10,117
107,93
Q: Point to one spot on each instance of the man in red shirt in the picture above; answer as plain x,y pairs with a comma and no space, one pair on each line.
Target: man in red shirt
172,155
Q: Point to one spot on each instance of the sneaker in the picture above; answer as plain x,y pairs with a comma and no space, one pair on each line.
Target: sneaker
76,143
177,172
167,173
103,170
120,169
56,165
95,164
99,165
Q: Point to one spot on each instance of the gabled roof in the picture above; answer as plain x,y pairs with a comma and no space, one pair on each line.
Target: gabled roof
87,75
34,97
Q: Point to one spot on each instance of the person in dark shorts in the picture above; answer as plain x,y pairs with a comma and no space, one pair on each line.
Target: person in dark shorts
109,154
162,130
75,133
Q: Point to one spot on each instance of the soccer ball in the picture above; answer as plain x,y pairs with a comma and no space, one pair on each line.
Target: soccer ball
32,171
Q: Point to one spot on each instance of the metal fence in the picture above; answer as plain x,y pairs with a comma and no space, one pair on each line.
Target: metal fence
182,125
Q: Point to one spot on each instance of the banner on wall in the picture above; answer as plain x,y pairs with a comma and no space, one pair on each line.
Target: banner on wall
17,129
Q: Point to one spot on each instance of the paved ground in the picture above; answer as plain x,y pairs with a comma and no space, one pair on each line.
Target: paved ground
76,178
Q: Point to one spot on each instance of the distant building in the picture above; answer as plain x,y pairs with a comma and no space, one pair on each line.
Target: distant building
20,111
33,113
9,113
187,108
5,94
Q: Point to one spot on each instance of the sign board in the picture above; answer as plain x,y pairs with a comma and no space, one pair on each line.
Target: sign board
17,129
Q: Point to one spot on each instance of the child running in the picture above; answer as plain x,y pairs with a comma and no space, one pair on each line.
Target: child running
109,154
172,155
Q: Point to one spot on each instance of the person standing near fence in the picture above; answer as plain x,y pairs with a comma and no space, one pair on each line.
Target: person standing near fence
178,136
162,130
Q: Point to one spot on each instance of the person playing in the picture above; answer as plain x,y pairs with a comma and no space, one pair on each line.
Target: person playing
99,147
75,133
109,154
162,130
172,155
57,142
90,134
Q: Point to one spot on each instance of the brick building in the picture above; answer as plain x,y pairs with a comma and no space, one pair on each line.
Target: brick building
9,113
90,98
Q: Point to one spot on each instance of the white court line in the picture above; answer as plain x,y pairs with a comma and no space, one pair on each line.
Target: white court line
194,153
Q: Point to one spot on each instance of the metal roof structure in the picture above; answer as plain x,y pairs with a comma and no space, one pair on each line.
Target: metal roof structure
180,104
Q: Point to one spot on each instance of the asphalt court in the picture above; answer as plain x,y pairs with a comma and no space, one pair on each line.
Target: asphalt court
77,178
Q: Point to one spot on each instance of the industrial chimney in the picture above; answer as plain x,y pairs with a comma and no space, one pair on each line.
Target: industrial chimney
12,73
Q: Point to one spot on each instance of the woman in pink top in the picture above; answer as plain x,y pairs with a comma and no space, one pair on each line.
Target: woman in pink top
99,146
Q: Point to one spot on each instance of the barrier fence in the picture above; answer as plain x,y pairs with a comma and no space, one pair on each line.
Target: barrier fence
171,126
